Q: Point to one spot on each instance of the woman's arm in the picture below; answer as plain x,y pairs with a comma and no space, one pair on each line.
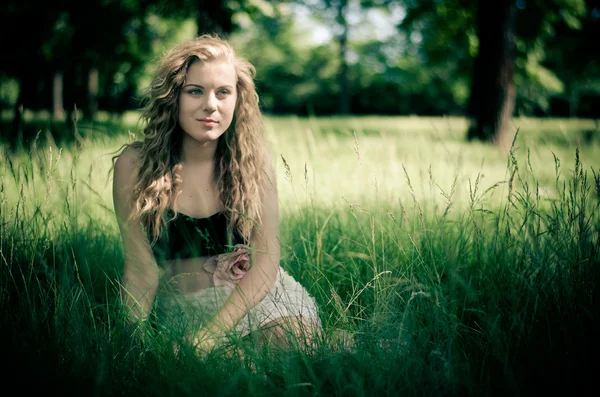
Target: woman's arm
259,280
140,278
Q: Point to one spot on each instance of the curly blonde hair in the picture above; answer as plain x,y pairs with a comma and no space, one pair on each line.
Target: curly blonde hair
239,157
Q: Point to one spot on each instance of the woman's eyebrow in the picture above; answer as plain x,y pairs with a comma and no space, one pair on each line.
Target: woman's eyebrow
199,86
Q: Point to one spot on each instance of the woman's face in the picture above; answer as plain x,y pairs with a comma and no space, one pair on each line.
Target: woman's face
207,100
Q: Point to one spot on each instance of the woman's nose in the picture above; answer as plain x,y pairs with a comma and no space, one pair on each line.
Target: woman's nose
211,102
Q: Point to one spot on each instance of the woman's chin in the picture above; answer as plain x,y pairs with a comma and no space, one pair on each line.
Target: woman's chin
205,137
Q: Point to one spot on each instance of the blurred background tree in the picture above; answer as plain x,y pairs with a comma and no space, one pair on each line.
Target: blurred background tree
500,47
484,60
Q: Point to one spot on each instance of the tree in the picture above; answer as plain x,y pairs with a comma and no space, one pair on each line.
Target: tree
72,45
21,52
569,54
211,16
80,49
88,58
493,93
501,37
341,7
335,14
501,26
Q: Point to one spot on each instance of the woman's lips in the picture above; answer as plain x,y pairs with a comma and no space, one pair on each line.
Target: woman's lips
208,122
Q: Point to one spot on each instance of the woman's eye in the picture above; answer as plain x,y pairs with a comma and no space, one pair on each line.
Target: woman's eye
224,92
195,91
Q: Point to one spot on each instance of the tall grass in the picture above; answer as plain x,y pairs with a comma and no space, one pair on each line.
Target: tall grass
456,270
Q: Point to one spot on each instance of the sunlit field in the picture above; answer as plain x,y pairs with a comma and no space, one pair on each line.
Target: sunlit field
441,267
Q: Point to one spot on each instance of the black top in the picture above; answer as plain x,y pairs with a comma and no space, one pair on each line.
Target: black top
186,237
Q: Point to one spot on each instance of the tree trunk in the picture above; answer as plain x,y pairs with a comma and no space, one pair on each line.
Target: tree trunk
26,90
16,130
58,110
92,94
493,93
344,98
573,101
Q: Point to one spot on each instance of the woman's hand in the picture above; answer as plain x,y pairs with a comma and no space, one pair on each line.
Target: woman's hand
207,339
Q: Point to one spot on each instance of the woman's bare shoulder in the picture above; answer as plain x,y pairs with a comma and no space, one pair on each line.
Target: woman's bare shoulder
126,164
127,161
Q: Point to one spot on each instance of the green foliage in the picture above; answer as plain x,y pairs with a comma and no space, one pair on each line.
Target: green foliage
422,68
537,84
449,38
568,55
168,32
291,74
9,91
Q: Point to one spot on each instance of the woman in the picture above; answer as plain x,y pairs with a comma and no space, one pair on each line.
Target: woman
196,203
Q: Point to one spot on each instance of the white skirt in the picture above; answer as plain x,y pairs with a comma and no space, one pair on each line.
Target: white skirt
287,298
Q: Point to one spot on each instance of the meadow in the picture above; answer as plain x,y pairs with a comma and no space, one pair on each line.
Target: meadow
440,267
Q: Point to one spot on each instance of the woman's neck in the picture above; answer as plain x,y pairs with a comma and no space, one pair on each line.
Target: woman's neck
196,153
